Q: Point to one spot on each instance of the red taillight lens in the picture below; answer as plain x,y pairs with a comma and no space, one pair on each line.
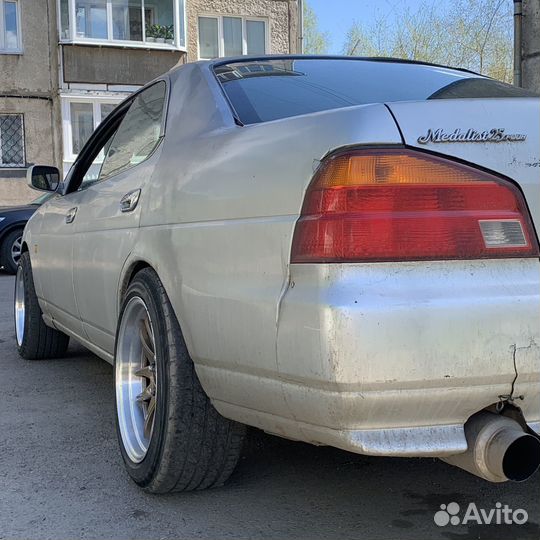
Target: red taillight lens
398,205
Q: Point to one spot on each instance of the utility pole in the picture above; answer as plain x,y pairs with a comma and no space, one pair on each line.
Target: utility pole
530,45
518,40
300,27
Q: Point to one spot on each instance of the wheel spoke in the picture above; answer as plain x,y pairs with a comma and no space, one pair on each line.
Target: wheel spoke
149,418
145,333
148,328
147,372
16,250
145,395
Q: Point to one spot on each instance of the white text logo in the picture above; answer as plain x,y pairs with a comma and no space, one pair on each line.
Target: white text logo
450,514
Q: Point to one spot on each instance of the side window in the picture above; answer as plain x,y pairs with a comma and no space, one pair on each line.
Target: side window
92,174
138,133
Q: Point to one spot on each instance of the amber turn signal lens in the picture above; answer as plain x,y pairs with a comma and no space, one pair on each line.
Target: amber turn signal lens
398,204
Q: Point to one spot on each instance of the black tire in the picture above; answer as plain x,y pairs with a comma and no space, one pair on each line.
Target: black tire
39,341
6,259
192,446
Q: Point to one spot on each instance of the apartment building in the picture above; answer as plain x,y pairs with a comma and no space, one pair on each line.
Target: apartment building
64,64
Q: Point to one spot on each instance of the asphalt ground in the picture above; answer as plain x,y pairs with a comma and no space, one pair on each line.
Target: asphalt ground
61,475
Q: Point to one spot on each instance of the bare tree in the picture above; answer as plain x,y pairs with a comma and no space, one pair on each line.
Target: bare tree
484,30
315,41
474,34
360,42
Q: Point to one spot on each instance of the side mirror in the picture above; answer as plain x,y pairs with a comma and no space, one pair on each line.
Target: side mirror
43,177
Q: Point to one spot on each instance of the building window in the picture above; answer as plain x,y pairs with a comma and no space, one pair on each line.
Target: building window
82,124
80,116
10,34
12,140
145,23
231,36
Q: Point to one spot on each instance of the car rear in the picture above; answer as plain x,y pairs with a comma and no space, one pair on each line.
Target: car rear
413,295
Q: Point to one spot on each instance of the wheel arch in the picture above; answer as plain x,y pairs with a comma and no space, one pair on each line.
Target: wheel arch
12,227
131,270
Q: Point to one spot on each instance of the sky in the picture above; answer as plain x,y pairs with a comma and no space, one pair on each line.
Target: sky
336,16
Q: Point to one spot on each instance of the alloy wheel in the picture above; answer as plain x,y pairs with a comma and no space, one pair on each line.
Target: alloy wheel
16,250
136,379
20,306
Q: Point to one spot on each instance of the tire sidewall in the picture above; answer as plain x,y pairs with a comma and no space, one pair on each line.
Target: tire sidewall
143,472
30,302
39,340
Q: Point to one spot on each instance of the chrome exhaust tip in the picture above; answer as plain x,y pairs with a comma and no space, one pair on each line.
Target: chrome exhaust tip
499,449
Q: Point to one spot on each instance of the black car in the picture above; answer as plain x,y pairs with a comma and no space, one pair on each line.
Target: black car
12,222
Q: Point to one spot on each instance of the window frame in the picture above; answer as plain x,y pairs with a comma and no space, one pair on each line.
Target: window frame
67,126
24,163
157,141
3,48
102,134
179,23
221,38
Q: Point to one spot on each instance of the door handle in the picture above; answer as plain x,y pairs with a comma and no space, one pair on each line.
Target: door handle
70,216
129,201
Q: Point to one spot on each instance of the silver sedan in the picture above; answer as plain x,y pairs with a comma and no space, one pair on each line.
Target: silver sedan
337,251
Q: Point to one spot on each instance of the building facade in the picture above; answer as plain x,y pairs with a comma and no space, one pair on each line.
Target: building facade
60,79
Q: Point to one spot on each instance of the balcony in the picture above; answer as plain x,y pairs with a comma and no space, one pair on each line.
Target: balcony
146,24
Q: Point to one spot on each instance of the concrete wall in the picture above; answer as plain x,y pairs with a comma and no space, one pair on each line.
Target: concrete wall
281,16
29,72
531,45
111,65
38,117
28,85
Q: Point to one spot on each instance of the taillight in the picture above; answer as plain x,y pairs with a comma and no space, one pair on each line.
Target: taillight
400,205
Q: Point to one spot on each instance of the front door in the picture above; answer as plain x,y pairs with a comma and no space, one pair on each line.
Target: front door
52,261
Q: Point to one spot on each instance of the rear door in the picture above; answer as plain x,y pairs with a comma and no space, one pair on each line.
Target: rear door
109,213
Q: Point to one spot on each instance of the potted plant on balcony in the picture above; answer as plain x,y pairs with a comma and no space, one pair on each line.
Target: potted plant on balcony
151,32
160,33
169,34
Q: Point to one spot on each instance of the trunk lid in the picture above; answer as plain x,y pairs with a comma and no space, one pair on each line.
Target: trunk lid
502,135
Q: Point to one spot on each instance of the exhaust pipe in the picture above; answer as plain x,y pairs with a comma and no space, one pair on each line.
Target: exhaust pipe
498,449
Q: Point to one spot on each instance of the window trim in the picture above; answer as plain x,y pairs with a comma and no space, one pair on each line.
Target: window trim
221,39
179,22
24,163
3,48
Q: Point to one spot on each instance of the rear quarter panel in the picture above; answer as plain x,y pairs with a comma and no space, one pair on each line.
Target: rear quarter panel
218,226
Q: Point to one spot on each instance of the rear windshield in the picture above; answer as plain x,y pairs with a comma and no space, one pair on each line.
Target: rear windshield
261,91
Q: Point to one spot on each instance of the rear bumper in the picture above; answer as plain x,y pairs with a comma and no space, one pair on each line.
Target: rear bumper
393,358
